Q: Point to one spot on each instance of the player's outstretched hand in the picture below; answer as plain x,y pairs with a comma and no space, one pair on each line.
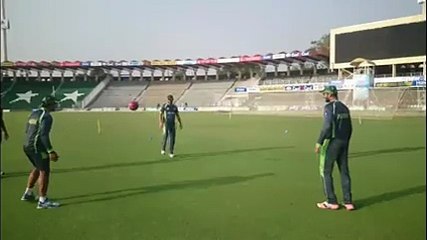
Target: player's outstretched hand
53,156
180,126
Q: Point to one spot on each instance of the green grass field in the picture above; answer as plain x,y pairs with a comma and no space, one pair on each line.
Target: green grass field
240,178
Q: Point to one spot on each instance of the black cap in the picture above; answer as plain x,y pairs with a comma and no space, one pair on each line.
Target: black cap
49,101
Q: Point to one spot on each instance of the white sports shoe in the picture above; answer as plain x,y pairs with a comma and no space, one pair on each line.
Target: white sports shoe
171,155
47,204
162,152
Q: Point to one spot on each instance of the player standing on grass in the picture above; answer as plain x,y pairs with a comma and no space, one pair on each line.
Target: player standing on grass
333,144
38,148
168,112
3,131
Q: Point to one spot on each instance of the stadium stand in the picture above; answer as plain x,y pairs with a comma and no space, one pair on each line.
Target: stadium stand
6,85
71,93
119,94
237,94
309,78
205,94
23,94
157,92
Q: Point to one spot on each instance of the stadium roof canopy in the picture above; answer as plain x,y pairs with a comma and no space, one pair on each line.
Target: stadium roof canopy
267,59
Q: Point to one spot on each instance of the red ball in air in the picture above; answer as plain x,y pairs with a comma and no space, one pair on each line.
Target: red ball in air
133,105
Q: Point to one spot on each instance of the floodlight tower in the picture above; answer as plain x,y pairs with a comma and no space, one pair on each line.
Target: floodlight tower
4,27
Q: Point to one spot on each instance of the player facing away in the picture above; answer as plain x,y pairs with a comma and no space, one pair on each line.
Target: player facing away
333,144
38,149
168,113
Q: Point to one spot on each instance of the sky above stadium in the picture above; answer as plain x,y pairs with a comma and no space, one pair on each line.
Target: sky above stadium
169,29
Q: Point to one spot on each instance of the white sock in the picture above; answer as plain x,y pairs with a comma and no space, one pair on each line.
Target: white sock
42,199
29,191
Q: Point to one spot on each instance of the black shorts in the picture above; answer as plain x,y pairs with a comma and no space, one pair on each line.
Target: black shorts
39,159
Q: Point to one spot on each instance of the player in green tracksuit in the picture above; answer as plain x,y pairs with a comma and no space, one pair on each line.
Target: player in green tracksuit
168,113
333,144
3,131
39,151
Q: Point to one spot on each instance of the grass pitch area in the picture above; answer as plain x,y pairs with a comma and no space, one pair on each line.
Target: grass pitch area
238,178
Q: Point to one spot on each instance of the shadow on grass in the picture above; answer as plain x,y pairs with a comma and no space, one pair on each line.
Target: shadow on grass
197,156
178,158
129,192
384,151
389,196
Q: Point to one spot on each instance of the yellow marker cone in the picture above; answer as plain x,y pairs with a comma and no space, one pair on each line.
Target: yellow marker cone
98,123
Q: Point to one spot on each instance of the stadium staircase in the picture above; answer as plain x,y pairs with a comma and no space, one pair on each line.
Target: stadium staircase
185,91
118,94
205,94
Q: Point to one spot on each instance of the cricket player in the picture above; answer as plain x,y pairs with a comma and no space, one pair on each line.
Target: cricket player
39,150
3,131
168,113
333,144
